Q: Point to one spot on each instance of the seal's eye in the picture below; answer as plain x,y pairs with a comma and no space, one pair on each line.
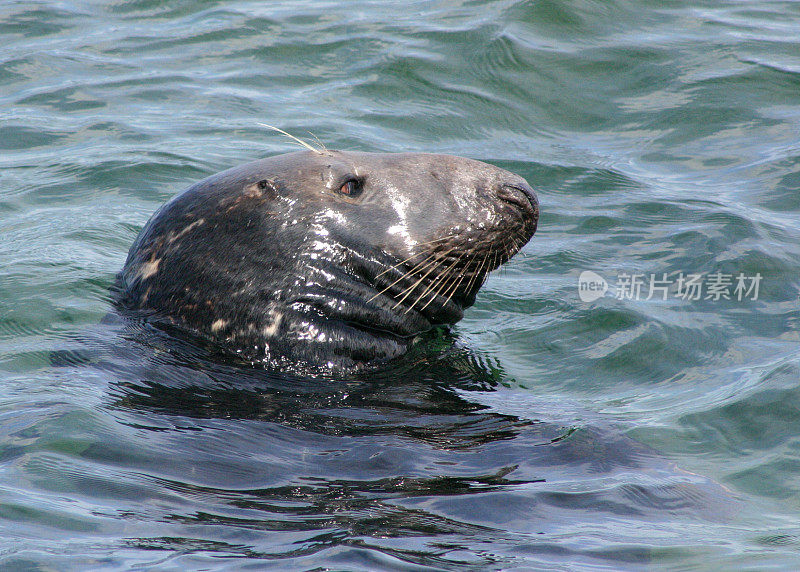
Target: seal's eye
351,187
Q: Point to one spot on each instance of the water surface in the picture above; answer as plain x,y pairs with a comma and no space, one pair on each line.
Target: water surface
623,433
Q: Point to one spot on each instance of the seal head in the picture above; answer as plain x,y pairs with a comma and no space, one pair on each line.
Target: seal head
327,260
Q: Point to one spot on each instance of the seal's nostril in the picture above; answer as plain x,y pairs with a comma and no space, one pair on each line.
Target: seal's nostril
520,195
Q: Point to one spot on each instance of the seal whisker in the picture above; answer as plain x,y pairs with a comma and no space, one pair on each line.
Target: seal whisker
461,278
476,273
518,243
431,259
485,273
293,138
454,289
317,139
493,265
435,264
440,280
445,288
413,255
506,251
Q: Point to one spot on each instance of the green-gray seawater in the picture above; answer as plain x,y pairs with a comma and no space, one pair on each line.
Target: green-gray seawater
640,430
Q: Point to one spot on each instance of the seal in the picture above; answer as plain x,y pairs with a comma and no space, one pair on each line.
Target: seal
325,259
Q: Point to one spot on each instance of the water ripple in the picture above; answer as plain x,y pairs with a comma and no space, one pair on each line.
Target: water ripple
661,138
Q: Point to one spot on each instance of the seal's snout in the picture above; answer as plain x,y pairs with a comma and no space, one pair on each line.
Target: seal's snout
521,196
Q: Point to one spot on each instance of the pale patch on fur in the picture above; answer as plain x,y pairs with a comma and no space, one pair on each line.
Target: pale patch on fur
217,325
186,229
400,206
402,230
272,329
330,181
149,268
331,214
253,191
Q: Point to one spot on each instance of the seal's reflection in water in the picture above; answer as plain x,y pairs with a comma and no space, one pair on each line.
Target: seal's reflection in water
398,464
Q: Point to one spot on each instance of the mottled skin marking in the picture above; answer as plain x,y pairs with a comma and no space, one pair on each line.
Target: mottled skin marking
149,268
272,329
328,260
173,237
